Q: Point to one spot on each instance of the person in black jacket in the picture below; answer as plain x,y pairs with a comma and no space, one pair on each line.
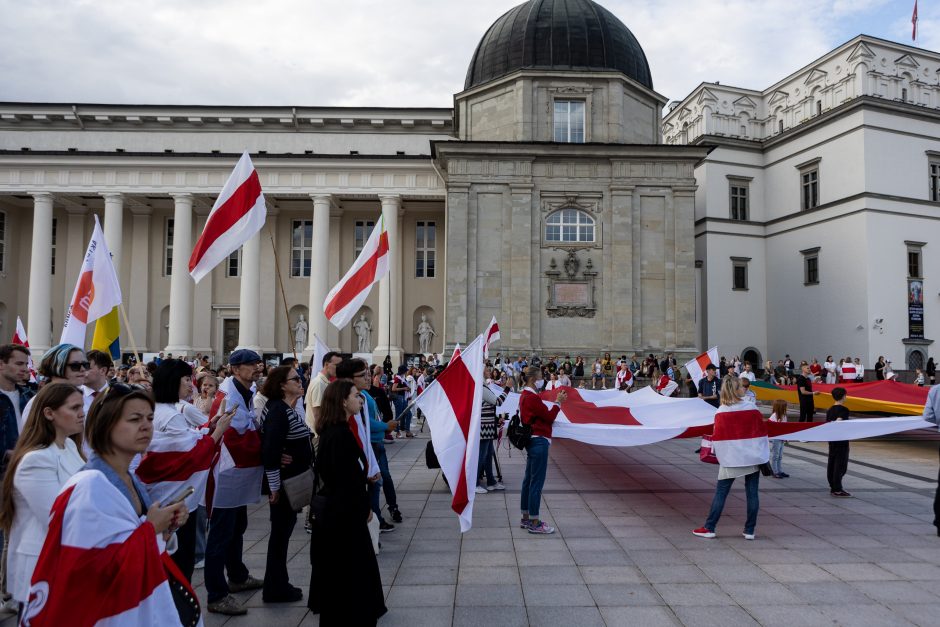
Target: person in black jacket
284,435
345,581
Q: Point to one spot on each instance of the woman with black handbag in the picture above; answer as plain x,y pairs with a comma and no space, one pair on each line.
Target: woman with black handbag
284,435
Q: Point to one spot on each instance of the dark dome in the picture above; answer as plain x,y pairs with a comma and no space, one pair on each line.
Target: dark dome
572,35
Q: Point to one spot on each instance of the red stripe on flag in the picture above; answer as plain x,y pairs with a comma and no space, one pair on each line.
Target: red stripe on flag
580,411
245,448
703,360
225,217
363,278
457,384
739,425
177,465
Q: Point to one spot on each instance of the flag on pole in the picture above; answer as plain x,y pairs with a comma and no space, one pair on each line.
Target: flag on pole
914,22
97,291
347,296
19,337
319,352
238,213
107,337
696,367
492,335
452,405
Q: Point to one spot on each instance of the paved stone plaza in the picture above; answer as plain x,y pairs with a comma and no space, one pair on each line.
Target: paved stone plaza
624,554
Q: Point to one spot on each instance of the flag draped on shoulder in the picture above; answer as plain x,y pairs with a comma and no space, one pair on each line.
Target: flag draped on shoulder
19,337
235,478
740,435
238,213
97,290
107,337
347,296
452,406
696,367
100,565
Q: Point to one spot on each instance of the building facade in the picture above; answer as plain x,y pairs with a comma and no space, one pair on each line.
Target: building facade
817,210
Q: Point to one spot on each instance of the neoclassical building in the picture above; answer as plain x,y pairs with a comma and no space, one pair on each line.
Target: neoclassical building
816,213
545,197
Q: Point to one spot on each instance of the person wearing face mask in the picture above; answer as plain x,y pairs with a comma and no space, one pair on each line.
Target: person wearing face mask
533,412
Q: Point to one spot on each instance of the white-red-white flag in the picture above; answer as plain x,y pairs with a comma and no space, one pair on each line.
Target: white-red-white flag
238,213
347,296
491,335
740,435
452,405
914,22
19,337
696,367
97,290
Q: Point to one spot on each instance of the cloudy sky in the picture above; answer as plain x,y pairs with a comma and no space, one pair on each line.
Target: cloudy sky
389,52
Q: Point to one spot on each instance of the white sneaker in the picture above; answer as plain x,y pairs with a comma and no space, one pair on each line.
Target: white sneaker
748,536
499,486
490,488
10,606
200,564
480,490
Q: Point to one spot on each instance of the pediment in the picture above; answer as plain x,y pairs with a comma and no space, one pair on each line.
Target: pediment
745,103
815,76
861,51
907,60
706,96
684,112
667,127
777,96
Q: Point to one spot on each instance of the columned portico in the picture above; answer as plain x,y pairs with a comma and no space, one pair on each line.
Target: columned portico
40,275
180,335
250,294
114,225
389,322
319,271
139,281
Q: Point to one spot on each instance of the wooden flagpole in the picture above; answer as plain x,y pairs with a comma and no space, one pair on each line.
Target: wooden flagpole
280,282
130,334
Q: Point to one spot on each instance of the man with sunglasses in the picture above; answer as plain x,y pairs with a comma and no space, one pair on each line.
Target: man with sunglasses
237,485
96,379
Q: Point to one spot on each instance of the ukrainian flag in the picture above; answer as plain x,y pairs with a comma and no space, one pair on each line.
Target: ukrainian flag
107,337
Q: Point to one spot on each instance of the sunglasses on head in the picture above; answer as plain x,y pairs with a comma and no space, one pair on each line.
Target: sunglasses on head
117,390
78,366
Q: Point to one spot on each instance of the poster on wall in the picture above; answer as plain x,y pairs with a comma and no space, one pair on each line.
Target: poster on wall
915,309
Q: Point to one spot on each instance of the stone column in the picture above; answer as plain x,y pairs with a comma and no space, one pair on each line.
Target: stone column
250,295
139,301
180,335
319,271
40,275
519,269
389,321
202,292
619,282
457,256
114,225
268,289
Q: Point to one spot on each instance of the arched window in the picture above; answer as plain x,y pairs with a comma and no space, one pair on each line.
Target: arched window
569,225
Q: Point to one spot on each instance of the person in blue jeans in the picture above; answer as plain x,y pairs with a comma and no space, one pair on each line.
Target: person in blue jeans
377,430
533,412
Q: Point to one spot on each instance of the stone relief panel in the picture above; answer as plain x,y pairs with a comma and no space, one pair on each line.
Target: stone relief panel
570,288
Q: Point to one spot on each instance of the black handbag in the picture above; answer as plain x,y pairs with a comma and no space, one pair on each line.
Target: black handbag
766,469
519,433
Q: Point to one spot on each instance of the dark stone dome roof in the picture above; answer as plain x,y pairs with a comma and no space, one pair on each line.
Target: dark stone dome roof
573,35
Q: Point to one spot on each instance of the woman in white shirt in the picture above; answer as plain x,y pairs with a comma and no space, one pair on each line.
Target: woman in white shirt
43,460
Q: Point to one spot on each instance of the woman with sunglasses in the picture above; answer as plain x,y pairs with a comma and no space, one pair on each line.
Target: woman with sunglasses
41,463
105,552
284,434
180,453
63,363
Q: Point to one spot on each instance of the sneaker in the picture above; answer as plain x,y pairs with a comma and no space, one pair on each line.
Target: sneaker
841,493
291,595
541,528
396,515
490,488
409,434
249,584
748,536
499,486
525,523
480,490
702,532
227,605
385,527
200,564
784,475
9,606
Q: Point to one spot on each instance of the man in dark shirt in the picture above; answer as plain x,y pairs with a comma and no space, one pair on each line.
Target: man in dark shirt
804,390
838,451
708,388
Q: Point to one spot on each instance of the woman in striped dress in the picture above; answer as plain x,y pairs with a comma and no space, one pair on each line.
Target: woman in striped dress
488,431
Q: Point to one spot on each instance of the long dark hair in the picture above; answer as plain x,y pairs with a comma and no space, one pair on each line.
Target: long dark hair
166,380
331,407
38,433
272,389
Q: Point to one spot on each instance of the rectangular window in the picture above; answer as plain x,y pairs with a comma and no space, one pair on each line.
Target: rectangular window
738,201
739,273
55,229
810,187
810,266
3,240
233,265
569,121
363,231
425,249
168,247
935,182
301,247
915,265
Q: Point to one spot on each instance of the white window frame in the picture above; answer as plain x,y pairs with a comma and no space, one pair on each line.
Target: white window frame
810,188
915,248
562,129
933,179
582,220
362,230
740,262
423,270
810,255
744,183
236,259
168,230
302,253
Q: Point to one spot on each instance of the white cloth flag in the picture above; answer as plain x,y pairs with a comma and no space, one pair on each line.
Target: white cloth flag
19,337
238,213
97,290
452,406
696,367
347,296
319,352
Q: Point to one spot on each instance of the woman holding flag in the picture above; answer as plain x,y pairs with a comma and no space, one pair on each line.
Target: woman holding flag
740,442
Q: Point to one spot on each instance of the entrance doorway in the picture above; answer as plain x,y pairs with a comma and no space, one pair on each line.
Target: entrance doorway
229,336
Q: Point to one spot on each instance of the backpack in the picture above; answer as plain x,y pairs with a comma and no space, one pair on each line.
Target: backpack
519,433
